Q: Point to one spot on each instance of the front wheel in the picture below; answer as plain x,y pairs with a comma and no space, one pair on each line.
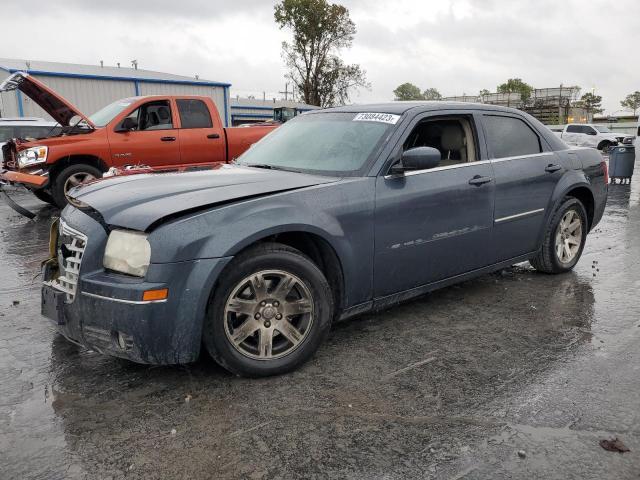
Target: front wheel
270,312
70,177
564,238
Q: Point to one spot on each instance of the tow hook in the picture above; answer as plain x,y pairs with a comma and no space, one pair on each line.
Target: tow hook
21,210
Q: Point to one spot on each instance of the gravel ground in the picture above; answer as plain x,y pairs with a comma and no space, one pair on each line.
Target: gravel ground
511,375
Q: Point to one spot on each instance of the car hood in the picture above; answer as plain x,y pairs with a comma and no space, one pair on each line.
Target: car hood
60,109
139,201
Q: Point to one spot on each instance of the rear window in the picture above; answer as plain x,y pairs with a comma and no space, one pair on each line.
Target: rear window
194,114
510,137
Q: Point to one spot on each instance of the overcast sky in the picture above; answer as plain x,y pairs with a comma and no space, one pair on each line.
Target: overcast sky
456,46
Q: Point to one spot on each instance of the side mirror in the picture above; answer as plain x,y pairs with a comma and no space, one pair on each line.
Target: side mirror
419,158
127,125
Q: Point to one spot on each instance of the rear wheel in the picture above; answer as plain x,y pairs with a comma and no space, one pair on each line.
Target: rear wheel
270,312
564,238
604,147
70,177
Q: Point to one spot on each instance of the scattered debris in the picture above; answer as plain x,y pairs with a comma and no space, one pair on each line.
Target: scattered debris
614,445
188,398
522,454
173,431
16,302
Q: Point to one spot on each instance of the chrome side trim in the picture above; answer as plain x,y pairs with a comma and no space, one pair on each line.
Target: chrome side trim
518,157
519,215
437,169
122,300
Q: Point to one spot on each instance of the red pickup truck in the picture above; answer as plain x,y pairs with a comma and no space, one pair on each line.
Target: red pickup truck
159,132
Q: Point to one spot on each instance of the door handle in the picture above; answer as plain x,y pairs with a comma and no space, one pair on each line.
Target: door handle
213,135
552,168
479,180
167,139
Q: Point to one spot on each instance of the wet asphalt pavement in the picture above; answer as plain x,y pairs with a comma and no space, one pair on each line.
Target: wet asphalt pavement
452,385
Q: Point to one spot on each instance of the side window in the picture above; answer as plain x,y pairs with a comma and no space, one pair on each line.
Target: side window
573,129
152,116
510,137
194,114
453,137
37,132
588,130
6,134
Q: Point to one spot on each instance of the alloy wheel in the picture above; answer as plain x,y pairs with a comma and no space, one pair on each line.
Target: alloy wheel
568,236
268,314
77,179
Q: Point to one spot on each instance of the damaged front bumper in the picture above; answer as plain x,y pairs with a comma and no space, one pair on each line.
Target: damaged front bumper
105,311
33,180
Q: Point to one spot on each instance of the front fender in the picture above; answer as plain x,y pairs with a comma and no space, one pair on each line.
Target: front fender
341,213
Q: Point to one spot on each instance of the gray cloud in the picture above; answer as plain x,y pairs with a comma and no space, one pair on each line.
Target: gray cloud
454,45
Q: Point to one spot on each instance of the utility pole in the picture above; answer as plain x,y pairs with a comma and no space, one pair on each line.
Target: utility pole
286,91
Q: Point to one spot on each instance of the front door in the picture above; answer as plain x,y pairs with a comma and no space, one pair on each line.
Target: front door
526,174
152,140
434,224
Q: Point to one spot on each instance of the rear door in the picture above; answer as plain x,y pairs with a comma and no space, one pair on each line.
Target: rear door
526,173
434,224
202,142
154,140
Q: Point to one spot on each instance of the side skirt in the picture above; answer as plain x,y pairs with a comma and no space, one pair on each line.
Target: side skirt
382,303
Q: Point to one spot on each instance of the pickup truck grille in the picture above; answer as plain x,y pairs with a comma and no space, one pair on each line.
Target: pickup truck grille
70,245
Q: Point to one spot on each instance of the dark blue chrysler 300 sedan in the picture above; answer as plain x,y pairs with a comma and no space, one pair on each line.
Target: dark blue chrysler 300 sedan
338,212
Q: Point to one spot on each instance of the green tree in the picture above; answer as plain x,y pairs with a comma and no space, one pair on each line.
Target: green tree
591,102
516,85
320,31
484,92
632,101
408,91
431,94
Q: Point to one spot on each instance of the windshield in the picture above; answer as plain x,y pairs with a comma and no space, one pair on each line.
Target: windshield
328,143
104,116
602,129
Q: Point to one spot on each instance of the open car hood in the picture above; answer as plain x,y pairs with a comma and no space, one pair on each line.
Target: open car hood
139,201
60,109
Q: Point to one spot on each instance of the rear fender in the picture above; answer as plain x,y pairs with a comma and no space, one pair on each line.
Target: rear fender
571,180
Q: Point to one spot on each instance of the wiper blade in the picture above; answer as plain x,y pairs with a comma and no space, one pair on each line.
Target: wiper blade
258,165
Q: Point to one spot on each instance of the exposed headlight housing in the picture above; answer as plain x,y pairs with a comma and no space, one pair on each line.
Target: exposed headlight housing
127,252
32,156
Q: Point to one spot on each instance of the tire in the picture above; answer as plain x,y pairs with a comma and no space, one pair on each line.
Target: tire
604,147
251,283
63,181
548,258
44,196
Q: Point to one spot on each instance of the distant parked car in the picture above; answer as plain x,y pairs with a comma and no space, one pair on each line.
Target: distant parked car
589,135
26,128
337,212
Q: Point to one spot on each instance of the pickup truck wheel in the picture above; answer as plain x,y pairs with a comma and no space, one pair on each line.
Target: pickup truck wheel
604,146
564,238
269,313
44,196
70,177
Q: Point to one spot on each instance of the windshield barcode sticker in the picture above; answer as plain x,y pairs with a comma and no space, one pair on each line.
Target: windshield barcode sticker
377,117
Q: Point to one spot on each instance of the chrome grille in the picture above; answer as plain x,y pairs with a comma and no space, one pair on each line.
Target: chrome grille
71,246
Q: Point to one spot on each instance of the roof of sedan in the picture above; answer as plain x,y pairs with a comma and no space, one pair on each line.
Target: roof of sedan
398,108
